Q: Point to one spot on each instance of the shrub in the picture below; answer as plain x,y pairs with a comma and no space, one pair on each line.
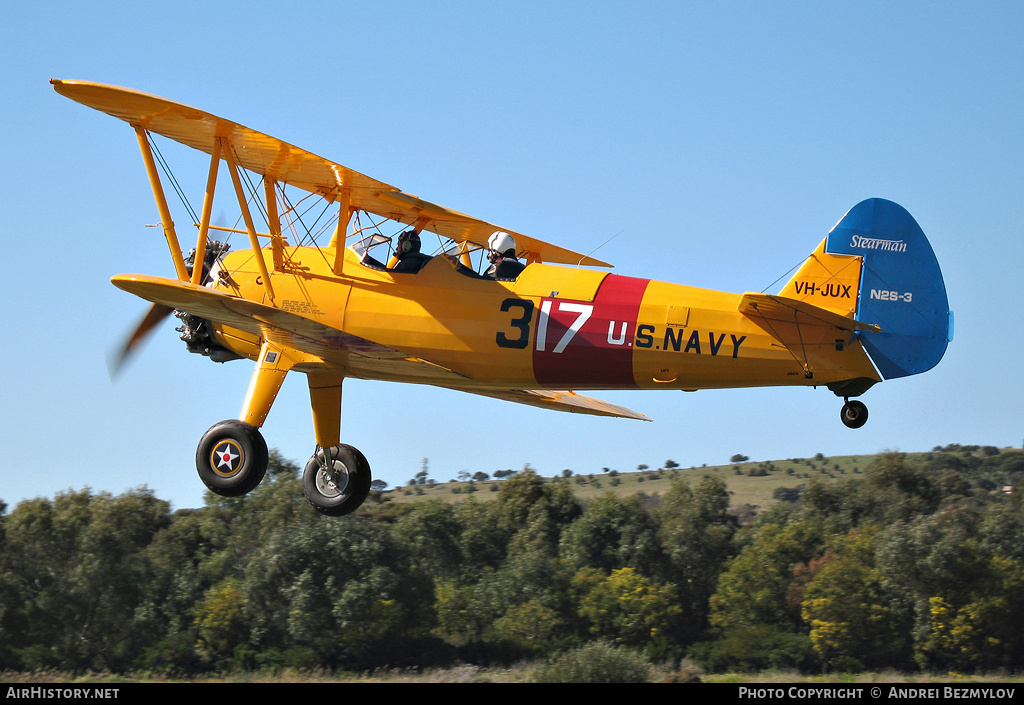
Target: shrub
757,648
596,662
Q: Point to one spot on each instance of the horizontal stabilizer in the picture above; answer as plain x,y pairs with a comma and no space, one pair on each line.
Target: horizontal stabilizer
783,309
821,341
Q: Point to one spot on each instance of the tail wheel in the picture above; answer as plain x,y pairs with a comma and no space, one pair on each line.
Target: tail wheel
232,458
336,482
854,414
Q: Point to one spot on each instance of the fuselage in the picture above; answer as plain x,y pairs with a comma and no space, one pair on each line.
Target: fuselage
552,327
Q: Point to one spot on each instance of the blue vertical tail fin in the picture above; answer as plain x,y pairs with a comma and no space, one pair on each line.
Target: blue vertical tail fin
901,287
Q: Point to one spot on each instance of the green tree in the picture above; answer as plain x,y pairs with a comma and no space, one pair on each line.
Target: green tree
629,609
982,634
75,572
846,606
614,532
527,492
892,489
220,622
898,489
431,536
456,620
532,626
753,587
947,573
696,533
483,611
348,595
238,526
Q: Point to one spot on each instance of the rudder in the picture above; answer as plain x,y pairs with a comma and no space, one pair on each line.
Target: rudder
901,287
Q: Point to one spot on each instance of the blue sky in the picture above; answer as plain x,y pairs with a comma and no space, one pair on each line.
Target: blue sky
723,140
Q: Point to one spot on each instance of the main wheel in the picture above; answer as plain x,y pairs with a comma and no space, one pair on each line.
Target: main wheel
337,483
854,414
232,458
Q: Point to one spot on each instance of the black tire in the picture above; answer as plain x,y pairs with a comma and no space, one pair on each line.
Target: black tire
232,458
342,490
854,414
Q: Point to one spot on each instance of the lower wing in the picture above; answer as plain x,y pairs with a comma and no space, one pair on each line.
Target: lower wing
359,357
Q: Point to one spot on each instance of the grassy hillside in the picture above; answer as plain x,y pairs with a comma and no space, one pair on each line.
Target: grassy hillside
750,483
753,485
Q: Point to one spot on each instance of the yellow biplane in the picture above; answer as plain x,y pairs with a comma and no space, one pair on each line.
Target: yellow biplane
540,324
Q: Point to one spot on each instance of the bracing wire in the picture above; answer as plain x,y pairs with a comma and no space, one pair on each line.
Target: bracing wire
171,178
303,232
783,276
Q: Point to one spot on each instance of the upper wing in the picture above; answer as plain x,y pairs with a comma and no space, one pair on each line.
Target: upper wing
283,162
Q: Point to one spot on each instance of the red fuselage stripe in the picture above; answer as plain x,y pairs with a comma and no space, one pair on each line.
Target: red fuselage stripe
583,344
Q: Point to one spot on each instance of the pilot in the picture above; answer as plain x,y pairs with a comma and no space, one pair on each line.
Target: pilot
410,259
501,253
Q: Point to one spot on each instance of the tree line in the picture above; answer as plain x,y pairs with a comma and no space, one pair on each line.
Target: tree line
916,564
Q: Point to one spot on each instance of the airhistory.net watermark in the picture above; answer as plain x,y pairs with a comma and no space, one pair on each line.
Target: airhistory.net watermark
54,693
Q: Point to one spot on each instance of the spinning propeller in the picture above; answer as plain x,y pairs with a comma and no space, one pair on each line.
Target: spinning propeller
158,312
154,316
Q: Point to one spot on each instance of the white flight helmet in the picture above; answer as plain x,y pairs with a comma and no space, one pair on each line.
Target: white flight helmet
501,243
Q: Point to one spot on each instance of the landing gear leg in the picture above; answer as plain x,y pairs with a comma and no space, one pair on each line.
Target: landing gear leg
854,414
336,479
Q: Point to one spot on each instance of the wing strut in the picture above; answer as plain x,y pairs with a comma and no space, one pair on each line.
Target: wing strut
341,232
161,204
274,222
254,241
204,223
805,364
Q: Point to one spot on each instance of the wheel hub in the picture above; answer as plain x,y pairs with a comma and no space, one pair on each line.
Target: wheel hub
332,481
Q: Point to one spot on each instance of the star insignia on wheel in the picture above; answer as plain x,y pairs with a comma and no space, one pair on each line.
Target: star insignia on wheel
226,457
